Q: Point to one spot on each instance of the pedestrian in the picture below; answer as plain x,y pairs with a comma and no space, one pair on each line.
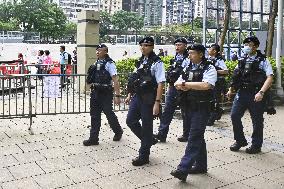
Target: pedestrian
124,56
252,78
178,63
196,82
220,87
40,57
145,88
63,62
47,61
101,75
74,61
161,52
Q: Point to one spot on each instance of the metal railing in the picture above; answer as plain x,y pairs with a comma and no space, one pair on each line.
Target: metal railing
28,96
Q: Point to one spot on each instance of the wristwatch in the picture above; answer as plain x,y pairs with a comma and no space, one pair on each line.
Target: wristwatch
117,95
261,92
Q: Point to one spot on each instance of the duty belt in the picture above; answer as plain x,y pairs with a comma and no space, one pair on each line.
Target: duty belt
100,86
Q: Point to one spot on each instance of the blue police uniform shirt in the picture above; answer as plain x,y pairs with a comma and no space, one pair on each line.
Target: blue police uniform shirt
157,70
185,60
63,57
209,75
220,63
264,65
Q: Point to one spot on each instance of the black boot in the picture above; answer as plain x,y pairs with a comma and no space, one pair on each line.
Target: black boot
117,136
90,142
139,161
179,174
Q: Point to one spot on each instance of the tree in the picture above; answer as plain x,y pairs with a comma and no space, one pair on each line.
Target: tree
271,28
136,22
54,24
7,12
41,16
227,13
120,21
105,23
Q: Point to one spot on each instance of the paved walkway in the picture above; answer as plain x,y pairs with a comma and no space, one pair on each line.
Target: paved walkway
55,158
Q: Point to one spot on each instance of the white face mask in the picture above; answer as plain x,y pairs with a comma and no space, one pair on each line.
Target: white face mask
247,50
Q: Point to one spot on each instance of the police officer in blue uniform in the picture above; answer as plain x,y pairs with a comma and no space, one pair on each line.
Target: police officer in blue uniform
179,62
145,88
252,78
196,82
102,76
220,87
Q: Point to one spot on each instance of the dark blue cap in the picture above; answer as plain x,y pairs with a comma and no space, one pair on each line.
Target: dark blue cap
101,46
197,47
216,47
147,40
180,40
252,39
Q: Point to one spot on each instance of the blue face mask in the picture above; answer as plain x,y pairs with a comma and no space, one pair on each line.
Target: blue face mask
247,50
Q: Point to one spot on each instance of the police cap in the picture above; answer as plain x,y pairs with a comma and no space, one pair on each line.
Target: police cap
147,40
252,39
197,47
180,40
101,46
215,47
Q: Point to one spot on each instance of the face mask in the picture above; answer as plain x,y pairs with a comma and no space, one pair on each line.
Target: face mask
247,50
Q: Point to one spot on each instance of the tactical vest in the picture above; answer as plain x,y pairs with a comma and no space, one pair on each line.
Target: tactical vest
175,69
215,60
142,81
190,75
98,76
248,75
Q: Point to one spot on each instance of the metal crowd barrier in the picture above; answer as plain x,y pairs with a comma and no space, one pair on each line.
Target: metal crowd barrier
29,96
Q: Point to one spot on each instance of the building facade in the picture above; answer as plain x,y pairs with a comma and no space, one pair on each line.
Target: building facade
177,11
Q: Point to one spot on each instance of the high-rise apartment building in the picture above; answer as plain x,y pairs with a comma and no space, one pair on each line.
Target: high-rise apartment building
130,5
177,11
151,10
72,7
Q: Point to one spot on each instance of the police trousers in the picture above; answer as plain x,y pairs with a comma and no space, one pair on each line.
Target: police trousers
195,152
101,101
244,100
138,109
168,113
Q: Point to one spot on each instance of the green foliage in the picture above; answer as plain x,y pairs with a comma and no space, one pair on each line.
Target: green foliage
123,21
7,12
105,23
273,63
8,26
34,16
231,65
166,60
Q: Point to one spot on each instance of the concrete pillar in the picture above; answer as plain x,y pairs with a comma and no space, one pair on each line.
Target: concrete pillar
280,92
87,41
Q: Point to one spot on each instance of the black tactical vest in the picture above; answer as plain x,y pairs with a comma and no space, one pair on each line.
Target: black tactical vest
99,76
196,75
215,60
248,75
175,69
142,81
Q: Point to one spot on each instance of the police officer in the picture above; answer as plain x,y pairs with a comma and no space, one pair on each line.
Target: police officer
220,87
177,64
100,77
197,82
145,92
252,78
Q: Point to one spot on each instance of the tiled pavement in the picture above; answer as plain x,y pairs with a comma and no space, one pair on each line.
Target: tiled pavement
55,158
